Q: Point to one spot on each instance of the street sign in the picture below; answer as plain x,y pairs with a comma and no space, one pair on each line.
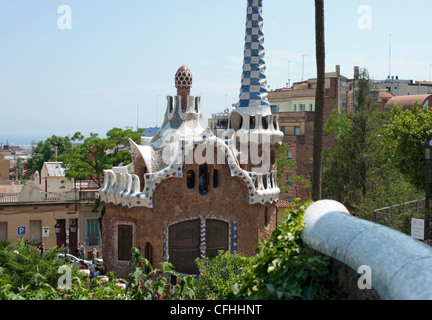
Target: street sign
417,228
45,232
21,231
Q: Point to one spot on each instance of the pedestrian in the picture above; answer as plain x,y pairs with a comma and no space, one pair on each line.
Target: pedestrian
94,253
41,248
96,273
81,250
92,268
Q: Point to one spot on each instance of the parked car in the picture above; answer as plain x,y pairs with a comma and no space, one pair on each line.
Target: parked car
74,260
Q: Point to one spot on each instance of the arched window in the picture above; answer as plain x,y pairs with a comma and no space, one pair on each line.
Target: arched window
184,245
198,237
215,178
216,237
203,179
190,179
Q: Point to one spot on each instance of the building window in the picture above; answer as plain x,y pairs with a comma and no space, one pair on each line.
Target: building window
148,254
215,178
198,237
297,131
184,245
288,179
289,154
36,232
265,217
190,179
274,108
203,179
124,244
93,234
216,237
302,107
3,231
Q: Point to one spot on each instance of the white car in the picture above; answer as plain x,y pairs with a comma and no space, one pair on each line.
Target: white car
74,260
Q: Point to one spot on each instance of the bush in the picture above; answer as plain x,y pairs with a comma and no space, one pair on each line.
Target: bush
285,269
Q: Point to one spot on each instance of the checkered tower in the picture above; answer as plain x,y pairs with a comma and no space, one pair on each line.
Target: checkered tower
253,92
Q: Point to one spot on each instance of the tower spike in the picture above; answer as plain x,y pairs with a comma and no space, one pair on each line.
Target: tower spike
253,92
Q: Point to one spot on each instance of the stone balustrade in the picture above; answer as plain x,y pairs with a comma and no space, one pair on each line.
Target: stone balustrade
400,266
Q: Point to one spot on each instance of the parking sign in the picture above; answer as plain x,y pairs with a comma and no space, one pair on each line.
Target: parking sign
45,232
21,231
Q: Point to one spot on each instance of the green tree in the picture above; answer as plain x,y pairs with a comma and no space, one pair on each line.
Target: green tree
359,171
283,163
407,131
45,151
96,154
357,161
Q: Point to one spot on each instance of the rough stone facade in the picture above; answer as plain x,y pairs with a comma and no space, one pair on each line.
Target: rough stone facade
175,202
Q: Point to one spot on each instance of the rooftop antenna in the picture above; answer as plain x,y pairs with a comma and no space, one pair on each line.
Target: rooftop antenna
390,47
305,55
137,116
157,107
289,80
430,75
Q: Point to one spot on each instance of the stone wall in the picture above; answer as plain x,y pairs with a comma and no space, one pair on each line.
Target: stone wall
174,201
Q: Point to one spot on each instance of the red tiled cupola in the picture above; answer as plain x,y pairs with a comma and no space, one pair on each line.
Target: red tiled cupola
183,83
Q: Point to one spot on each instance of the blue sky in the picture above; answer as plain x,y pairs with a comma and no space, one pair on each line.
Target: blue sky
122,54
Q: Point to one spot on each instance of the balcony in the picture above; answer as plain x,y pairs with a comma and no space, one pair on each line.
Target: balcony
28,195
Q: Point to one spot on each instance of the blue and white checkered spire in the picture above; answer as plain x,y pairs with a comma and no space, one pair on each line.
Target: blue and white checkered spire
253,92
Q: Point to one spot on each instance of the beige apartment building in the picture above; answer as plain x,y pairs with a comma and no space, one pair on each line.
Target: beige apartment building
57,219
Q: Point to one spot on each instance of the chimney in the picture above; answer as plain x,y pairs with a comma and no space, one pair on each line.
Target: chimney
338,70
356,72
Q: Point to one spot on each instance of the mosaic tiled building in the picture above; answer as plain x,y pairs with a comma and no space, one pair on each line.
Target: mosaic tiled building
188,193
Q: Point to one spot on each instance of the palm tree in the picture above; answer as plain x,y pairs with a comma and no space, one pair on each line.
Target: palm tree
319,102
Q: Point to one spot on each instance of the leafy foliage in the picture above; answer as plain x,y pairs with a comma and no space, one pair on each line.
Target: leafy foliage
221,275
96,154
282,164
285,269
359,171
45,151
408,130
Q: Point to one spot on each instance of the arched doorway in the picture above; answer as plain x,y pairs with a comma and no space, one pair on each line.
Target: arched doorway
198,237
